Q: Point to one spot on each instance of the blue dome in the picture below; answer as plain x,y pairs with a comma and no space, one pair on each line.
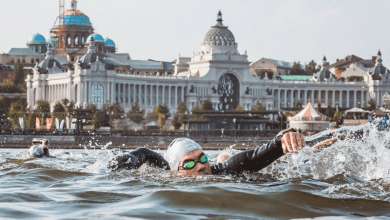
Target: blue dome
109,42
75,17
37,39
96,37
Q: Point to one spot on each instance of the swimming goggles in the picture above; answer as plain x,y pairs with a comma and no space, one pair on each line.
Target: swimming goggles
189,164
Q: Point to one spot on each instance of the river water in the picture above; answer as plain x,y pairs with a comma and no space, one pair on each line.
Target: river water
350,179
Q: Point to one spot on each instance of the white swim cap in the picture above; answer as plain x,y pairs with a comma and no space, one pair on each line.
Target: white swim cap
178,148
36,151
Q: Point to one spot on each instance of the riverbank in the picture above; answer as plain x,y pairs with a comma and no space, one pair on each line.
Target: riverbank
130,142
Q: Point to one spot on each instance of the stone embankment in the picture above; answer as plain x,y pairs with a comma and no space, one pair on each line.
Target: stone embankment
129,142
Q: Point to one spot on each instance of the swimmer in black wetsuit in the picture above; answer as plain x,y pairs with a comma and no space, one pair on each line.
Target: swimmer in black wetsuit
39,150
187,157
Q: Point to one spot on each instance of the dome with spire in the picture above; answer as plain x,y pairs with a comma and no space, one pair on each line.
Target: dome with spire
324,74
109,42
91,56
96,37
37,39
378,70
219,35
49,62
74,17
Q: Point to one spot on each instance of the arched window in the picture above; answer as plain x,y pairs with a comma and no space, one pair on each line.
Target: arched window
69,40
39,49
82,40
229,92
97,91
76,41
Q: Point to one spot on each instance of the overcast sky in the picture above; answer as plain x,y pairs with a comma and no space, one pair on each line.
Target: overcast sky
290,30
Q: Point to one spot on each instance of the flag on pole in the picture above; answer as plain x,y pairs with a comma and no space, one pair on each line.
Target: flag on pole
67,123
62,125
57,124
37,123
49,121
21,122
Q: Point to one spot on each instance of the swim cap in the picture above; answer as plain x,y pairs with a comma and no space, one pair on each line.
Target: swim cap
36,151
178,148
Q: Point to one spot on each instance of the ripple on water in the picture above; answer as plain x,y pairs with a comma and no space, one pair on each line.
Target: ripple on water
351,178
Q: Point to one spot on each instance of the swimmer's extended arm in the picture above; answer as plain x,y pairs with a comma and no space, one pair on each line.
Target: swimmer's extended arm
252,160
135,158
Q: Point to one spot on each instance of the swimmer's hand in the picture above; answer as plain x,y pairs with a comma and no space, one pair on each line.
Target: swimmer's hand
325,143
292,142
126,161
135,159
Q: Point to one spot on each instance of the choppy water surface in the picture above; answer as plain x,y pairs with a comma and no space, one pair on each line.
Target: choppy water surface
350,179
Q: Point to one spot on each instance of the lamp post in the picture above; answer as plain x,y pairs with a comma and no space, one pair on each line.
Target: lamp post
280,119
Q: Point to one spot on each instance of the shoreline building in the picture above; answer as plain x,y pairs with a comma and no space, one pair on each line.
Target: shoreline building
219,72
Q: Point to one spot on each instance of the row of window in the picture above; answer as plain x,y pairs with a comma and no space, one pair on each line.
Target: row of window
24,60
78,41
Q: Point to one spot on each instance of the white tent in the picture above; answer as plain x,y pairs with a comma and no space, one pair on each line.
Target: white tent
356,110
151,124
308,113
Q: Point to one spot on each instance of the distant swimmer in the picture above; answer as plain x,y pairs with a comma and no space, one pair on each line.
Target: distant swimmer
39,148
187,157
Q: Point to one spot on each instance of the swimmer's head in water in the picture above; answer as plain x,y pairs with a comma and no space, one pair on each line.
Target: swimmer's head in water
178,148
36,151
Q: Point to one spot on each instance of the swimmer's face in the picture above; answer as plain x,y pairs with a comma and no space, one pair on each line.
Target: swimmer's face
199,169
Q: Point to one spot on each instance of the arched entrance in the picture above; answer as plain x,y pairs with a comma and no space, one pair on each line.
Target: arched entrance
229,92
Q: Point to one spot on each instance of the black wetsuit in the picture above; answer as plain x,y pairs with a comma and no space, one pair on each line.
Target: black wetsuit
249,160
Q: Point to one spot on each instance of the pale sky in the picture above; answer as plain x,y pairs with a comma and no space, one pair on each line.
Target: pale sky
290,30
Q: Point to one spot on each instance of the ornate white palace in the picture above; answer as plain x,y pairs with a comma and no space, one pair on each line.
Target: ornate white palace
219,72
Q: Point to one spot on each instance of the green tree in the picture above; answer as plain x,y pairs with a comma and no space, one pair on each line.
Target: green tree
135,113
91,107
297,69
311,68
319,107
196,108
30,120
180,115
336,115
207,105
71,106
182,108
16,110
261,73
239,108
19,75
258,107
329,112
96,120
298,104
42,110
117,111
59,111
9,87
65,102
176,123
372,104
102,117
